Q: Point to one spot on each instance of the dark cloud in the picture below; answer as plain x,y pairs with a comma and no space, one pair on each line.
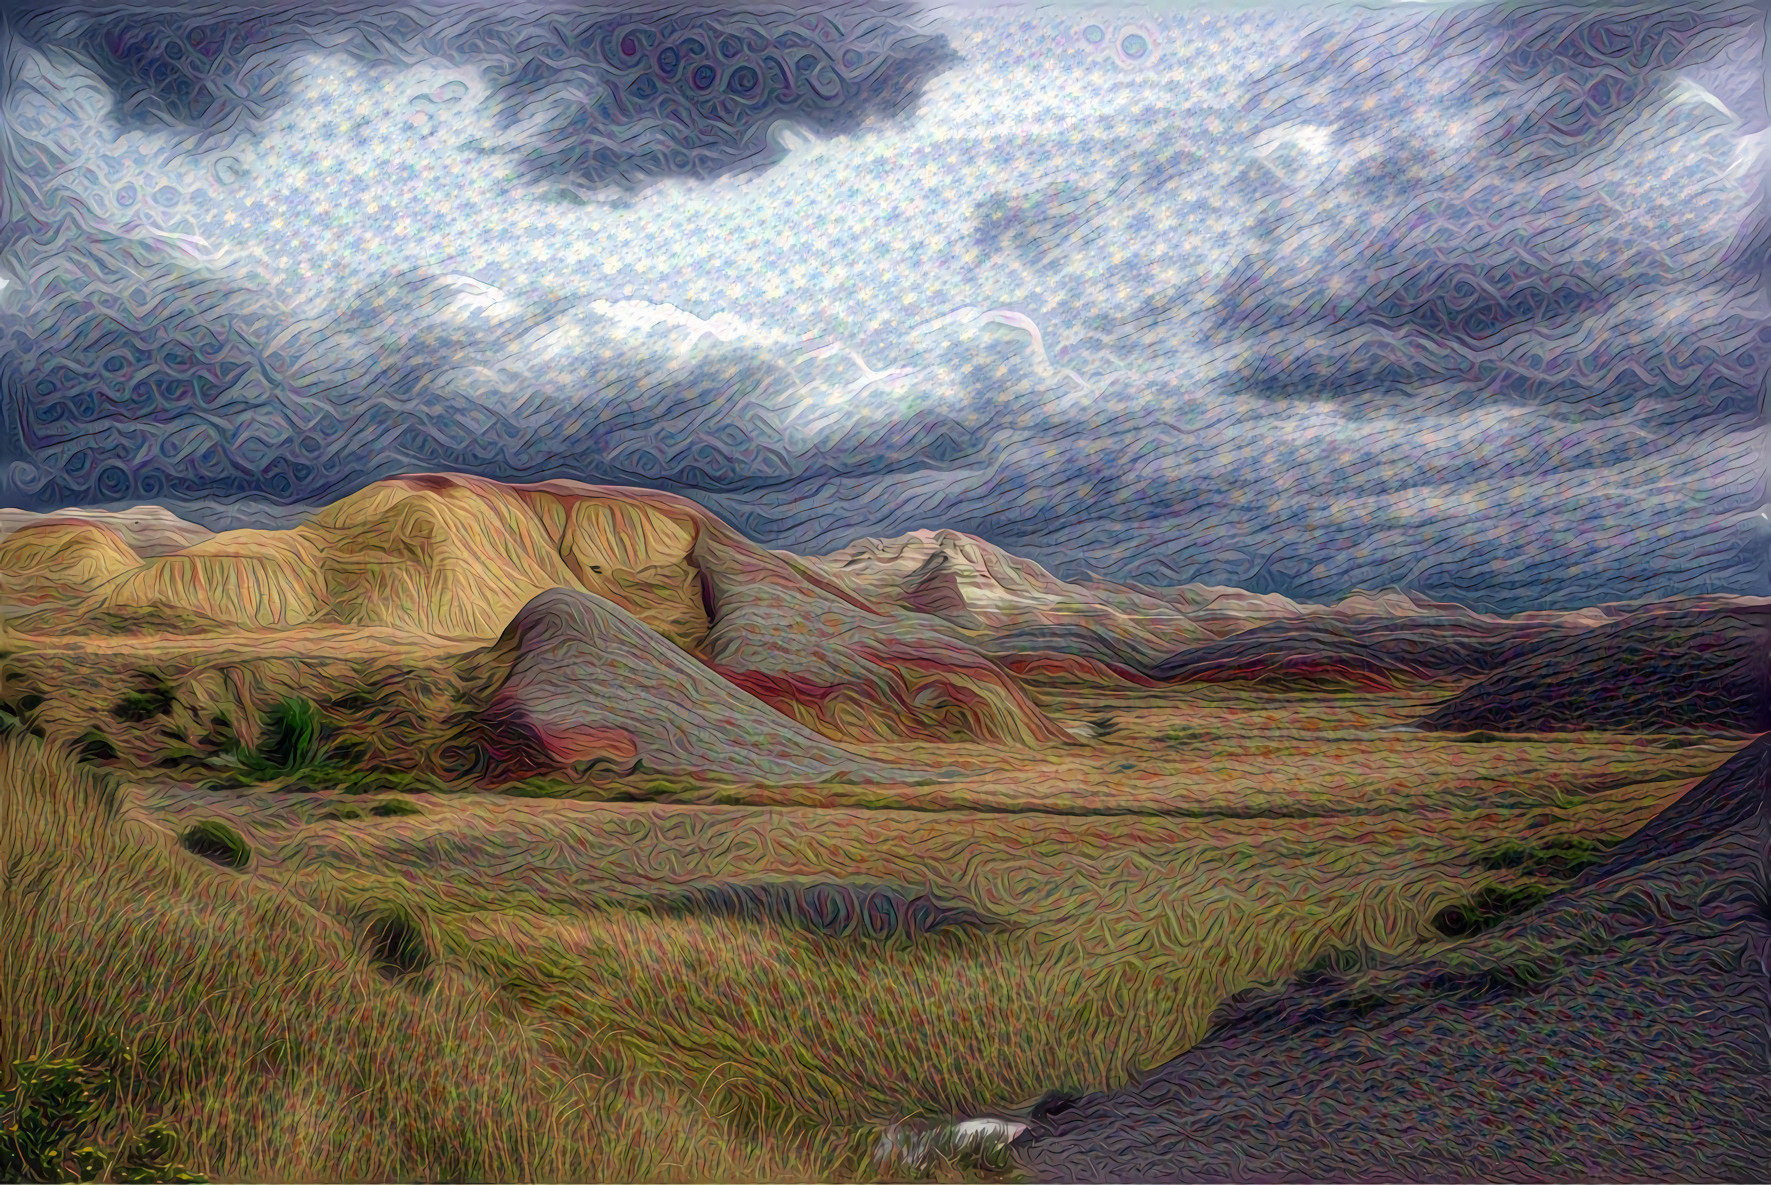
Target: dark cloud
1442,359
602,96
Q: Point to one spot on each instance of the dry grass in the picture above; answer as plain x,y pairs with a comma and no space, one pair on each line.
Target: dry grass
286,1057
1218,838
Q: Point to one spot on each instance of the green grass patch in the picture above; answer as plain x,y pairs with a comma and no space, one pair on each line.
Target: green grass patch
1562,858
395,808
154,697
51,1119
291,736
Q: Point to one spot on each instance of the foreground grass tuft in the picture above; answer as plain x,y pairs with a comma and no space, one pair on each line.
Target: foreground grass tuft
57,1115
282,1053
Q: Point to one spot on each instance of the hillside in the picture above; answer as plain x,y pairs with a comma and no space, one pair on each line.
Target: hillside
1617,1032
146,530
1014,610
452,556
589,683
1361,650
1647,672
53,559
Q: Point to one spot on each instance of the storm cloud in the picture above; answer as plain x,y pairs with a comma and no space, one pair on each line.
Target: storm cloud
1470,300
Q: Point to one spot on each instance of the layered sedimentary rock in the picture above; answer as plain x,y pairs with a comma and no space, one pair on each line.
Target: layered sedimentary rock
55,559
147,530
589,684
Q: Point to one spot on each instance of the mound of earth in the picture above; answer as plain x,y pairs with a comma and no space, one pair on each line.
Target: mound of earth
1013,609
1648,672
54,559
1617,1032
249,580
146,530
591,684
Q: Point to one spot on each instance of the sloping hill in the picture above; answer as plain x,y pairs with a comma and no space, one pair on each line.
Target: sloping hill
54,559
590,683
251,580
457,556
1374,651
847,670
1644,673
1013,609
147,530
1618,1032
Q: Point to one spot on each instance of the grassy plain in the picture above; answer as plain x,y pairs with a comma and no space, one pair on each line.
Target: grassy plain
1215,837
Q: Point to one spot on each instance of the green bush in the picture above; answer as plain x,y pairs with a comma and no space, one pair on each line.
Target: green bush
1104,726
155,697
394,808
215,840
20,715
94,745
290,739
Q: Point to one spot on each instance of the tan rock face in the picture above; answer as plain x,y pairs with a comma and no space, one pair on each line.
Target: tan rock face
453,556
57,559
148,531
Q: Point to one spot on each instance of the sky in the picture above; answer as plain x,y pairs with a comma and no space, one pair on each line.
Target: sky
1471,300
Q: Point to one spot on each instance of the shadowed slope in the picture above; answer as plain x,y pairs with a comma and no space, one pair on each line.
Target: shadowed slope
58,559
1617,1032
589,683
1649,671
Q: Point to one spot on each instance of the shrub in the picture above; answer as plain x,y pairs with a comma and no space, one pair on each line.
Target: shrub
291,736
49,1117
154,698
215,840
19,716
1491,904
394,808
1104,726
94,745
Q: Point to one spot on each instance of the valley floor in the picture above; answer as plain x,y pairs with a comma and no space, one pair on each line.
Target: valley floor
1209,838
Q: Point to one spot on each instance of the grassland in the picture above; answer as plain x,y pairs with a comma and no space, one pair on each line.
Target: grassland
1210,839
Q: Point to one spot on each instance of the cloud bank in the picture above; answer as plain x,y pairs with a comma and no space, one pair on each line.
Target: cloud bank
1470,300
